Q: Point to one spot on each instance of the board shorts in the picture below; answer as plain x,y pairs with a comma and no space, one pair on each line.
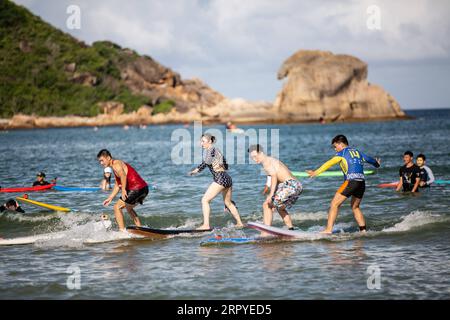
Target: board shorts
223,179
136,196
354,188
287,193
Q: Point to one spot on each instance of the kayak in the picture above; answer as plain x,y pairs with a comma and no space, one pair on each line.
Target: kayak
76,189
43,205
86,189
27,189
328,173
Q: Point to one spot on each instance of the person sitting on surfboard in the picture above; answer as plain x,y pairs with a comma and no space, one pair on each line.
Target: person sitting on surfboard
409,174
106,181
216,162
134,189
426,175
40,180
351,161
284,187
11,205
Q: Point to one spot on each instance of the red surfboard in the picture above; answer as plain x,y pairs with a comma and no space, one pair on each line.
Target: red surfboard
26,189
388,185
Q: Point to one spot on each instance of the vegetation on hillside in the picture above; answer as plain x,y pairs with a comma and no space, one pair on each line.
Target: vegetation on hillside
35,75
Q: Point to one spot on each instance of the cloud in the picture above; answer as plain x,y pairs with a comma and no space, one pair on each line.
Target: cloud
228,42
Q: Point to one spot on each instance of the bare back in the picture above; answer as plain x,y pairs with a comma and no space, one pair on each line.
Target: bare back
275,167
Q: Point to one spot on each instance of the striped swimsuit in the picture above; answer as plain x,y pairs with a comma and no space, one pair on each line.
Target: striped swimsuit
214,160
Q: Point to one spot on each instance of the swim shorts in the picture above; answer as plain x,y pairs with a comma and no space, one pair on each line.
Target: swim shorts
287,193
136,196
354,188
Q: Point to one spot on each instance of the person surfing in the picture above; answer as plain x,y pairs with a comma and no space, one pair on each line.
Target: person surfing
284,188
351,161
133,188
216,162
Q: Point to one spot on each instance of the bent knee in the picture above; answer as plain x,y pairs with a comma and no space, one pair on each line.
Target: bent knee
228,203
206,200
335,204
119,205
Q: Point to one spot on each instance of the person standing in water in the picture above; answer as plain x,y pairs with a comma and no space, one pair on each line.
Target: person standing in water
351,161
106,181
409,174
133,188
284,187
215,161
426,175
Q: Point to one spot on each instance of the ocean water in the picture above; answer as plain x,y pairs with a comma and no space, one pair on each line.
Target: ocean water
405,254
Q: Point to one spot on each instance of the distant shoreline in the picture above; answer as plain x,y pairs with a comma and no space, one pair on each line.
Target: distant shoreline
31,122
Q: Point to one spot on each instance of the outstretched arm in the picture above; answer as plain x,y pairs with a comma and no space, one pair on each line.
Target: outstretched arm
113,194
369,159
327,165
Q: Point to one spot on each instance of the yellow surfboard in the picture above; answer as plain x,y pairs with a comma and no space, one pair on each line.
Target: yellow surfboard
43,205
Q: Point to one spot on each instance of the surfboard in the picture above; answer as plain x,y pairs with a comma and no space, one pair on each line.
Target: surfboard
43,205
276,231
442,181
76,189
27,189
97,226
228,241
328,173
237,131
388,185
152,233
295,234
395,183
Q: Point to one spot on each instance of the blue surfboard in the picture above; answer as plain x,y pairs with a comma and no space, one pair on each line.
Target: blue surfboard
76,189
233,241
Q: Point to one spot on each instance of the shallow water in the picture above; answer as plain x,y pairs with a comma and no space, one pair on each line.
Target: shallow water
408,241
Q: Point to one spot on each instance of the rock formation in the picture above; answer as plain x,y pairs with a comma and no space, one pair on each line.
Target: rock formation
332,87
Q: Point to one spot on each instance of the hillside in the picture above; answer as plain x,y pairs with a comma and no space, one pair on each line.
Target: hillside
46,72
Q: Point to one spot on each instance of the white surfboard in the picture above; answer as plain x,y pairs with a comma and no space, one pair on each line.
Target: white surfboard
99,227
285,233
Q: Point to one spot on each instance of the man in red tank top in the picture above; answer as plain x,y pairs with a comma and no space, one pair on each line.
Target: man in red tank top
134,189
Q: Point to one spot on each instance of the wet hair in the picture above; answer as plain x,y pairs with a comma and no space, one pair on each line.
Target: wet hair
255,147
11,203
209,137
422,156
408,153
104,153
340,138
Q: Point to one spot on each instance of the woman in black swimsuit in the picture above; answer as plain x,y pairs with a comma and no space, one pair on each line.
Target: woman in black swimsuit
215,161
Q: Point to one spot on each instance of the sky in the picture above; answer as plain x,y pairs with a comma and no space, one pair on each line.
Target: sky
237,46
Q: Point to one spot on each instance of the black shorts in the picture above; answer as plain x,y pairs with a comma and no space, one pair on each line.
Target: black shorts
136,196
354,188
